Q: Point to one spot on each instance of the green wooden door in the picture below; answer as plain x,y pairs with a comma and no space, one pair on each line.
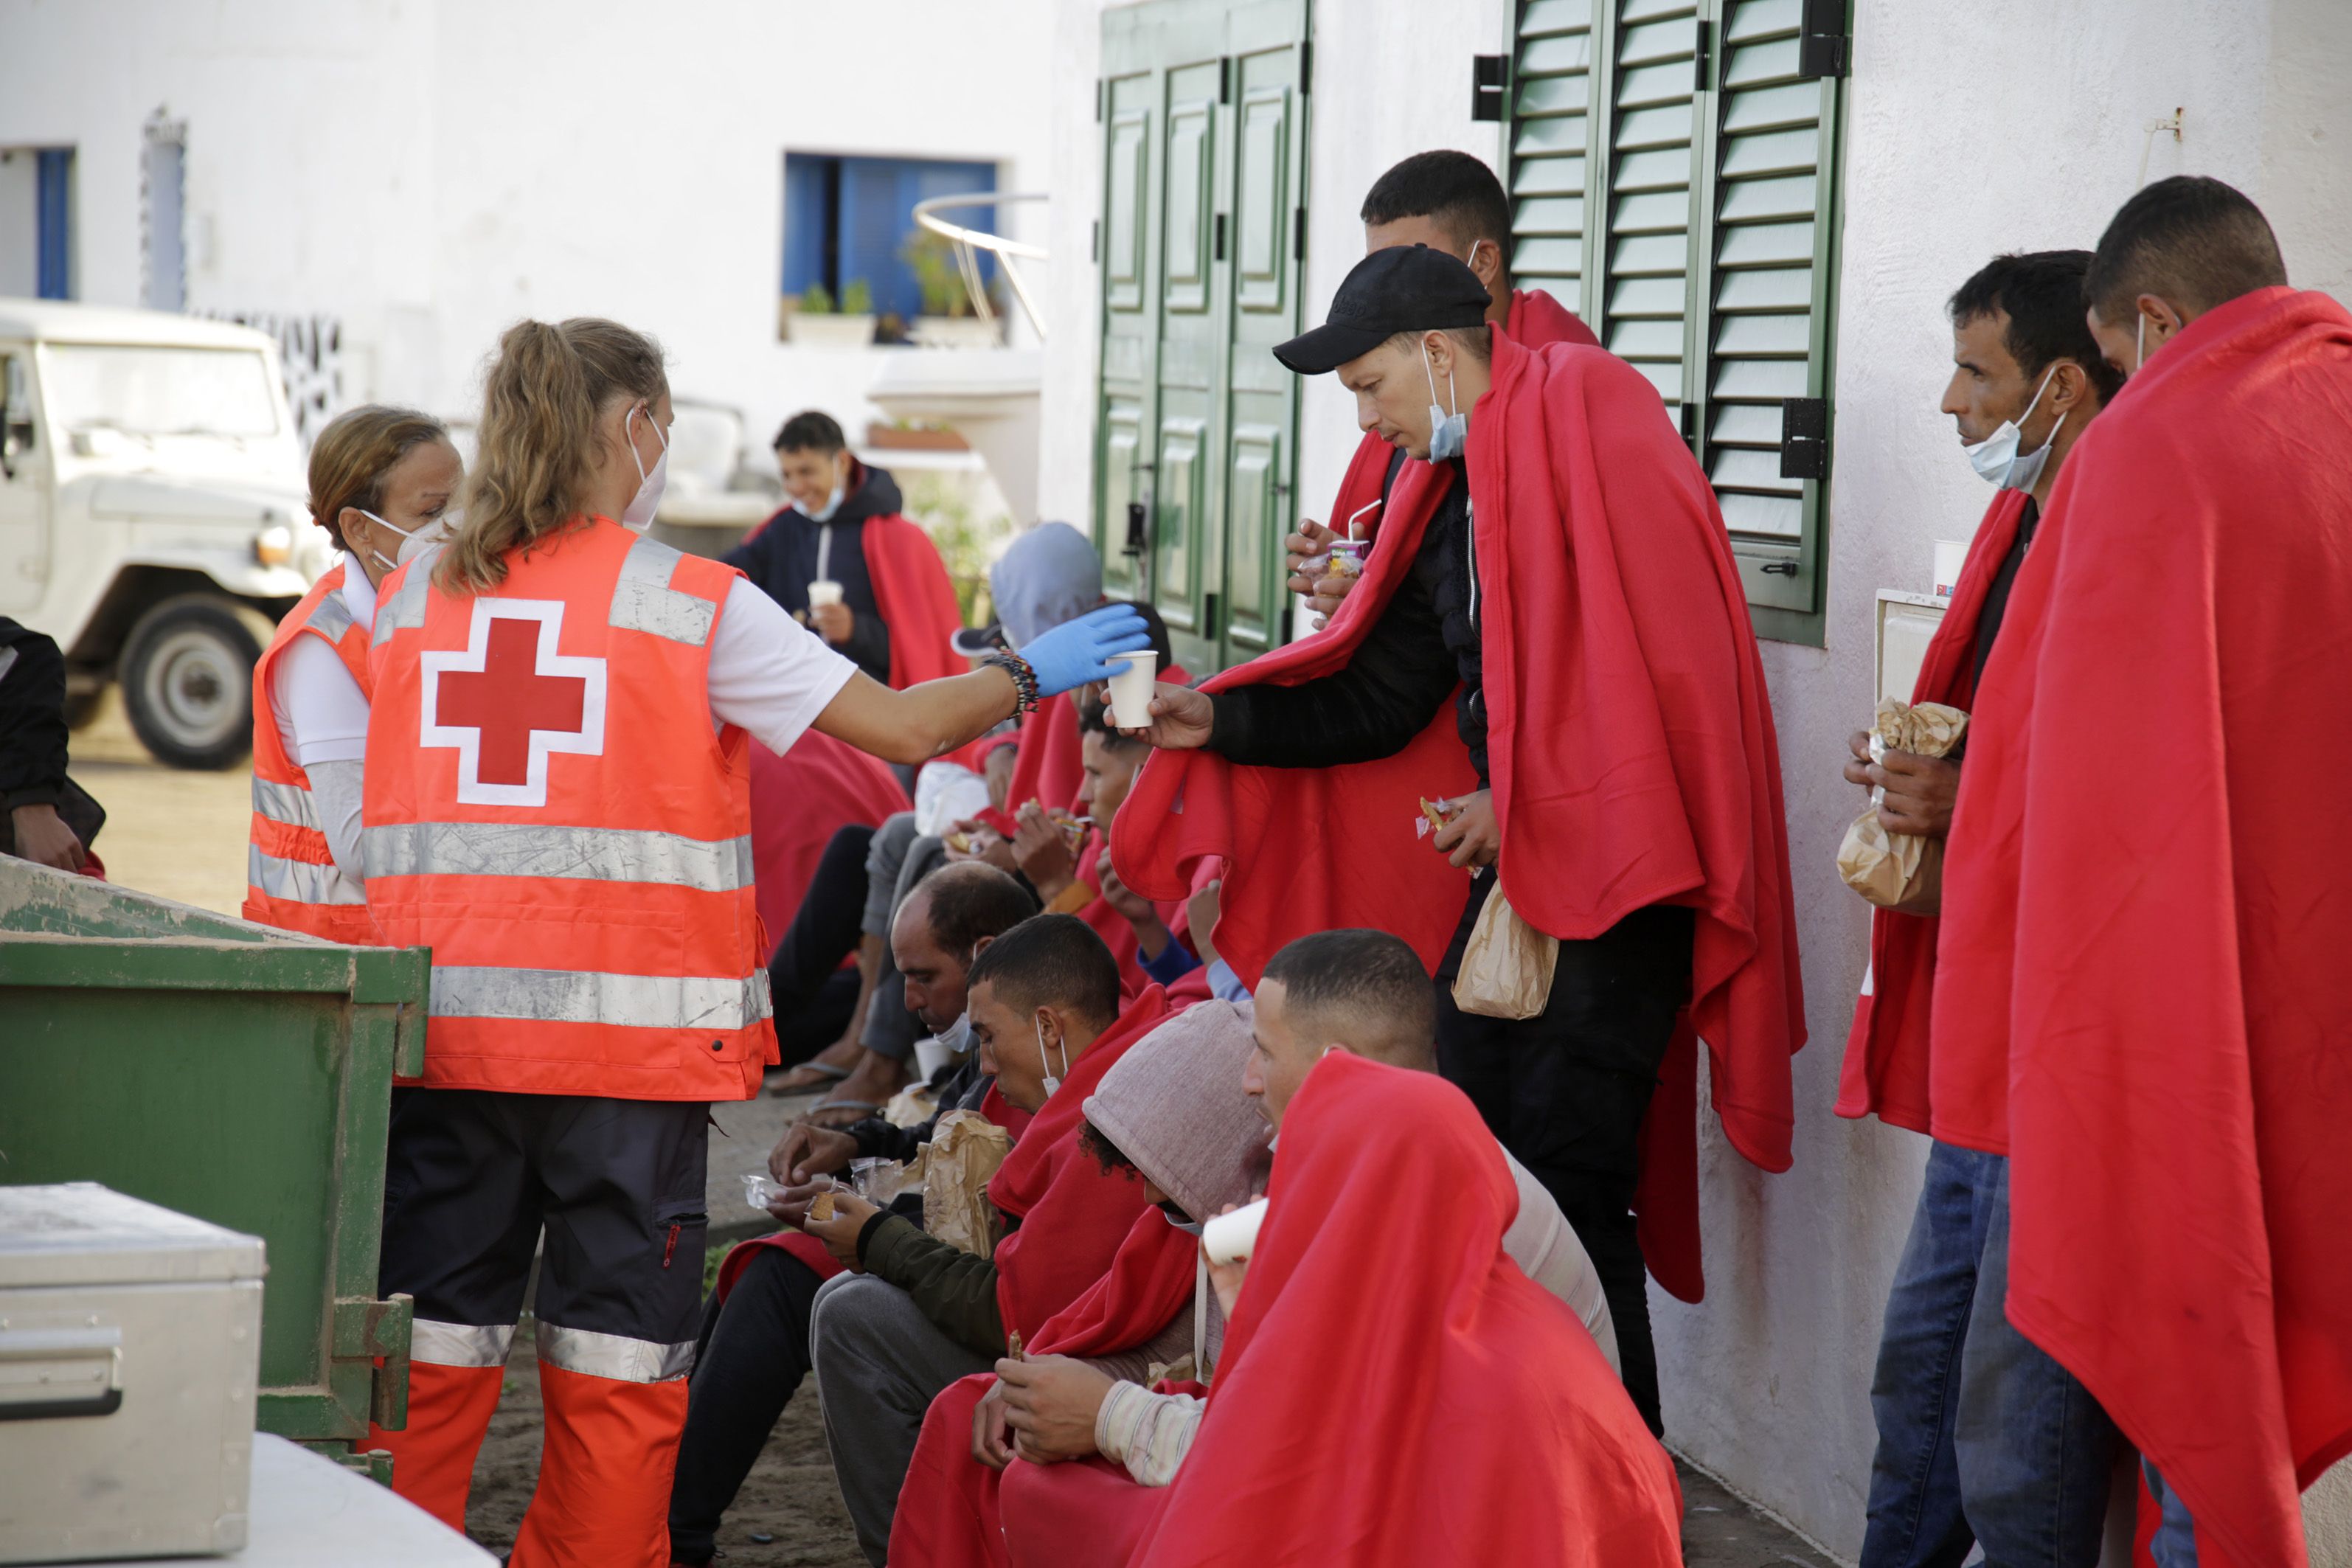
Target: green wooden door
1204,138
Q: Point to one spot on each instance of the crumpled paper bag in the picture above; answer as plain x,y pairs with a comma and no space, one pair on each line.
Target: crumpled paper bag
964,1152
1506,968
1900,871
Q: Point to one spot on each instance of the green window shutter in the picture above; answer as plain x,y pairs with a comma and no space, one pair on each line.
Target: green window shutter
1673,175
1551,131
1642,282
1772,188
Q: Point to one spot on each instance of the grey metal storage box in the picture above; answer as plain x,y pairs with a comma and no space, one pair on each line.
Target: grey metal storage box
129,1349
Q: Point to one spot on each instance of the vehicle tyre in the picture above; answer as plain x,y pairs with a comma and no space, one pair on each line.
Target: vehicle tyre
187,681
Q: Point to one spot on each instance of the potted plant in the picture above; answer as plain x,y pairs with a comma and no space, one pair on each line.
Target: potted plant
814,322
948,321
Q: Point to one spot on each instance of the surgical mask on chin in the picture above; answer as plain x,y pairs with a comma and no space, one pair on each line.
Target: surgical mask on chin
832,504
1996,458
639,513
413,541
1448,433
1052,1083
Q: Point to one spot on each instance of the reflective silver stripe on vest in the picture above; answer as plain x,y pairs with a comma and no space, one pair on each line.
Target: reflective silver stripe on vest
594,854
405,609
331,615
587,997
643,600
288,804
458,1344
300,881
615,1356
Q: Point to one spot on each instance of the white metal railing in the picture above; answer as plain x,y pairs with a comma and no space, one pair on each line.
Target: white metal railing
970,242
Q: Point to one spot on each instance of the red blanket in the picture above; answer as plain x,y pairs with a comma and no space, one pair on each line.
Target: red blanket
799,801
2154,958
1088,1272
1477,1424
1647,773
1885,1072
1047,768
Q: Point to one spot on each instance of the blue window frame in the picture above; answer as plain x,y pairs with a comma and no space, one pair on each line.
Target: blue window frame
848,218
53,222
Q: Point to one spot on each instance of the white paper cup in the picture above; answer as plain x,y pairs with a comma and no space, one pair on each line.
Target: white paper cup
823,592
1130,691
1231,1238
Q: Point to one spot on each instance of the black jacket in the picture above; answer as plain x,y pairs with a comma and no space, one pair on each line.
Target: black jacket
32,718
781,559
1423,646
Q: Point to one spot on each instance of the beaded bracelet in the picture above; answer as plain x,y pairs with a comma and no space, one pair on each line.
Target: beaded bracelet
1025,680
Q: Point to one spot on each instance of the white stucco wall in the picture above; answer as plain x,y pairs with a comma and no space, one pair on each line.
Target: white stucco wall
429,171
2004,125
1973,129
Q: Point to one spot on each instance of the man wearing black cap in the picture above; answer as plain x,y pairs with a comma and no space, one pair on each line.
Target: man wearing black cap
1611,764
1449,201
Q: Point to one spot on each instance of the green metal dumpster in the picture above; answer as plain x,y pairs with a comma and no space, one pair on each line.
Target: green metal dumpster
235,1072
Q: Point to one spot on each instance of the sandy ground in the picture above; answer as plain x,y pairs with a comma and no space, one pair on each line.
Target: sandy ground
183,835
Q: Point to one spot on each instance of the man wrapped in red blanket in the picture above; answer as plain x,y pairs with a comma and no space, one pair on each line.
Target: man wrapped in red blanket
2148,968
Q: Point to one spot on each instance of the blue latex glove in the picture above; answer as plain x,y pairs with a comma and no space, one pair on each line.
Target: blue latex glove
1075,652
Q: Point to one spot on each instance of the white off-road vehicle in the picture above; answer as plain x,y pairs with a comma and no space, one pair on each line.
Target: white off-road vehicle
152,515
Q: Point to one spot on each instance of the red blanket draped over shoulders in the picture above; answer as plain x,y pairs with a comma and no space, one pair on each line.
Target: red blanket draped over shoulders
1463,1418
1886,1071
2153,962
799,801
1647,771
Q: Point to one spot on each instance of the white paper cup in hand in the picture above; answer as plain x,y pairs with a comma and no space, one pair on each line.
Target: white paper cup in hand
1232,1237
823,592
1130,689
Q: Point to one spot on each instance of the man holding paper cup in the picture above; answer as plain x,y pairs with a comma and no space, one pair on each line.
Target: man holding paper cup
842,558
1610,771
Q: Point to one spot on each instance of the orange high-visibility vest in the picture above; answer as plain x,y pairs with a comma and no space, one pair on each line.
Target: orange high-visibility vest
549,810
291,880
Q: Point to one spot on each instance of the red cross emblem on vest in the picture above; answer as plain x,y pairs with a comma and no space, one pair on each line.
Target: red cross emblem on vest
508,702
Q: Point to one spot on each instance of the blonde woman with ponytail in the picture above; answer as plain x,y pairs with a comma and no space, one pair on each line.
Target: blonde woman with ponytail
557,804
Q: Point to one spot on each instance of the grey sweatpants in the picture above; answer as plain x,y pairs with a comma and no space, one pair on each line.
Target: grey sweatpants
879,1363
896,859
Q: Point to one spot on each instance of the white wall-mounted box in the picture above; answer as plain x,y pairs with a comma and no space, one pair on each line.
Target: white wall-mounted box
130,1350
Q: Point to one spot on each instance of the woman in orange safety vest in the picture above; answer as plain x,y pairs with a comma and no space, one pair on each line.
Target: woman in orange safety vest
382,483
558,804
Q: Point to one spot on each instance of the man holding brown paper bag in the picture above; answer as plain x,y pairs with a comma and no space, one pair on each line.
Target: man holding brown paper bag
1961,1451
1612,766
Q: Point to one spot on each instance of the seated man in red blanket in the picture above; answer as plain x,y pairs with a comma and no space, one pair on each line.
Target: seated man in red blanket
1066,858
753,1350
1457,1415
915,1314
1361,991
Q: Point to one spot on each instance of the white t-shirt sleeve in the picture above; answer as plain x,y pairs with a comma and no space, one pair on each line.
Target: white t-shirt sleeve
337,790
769,674
321,713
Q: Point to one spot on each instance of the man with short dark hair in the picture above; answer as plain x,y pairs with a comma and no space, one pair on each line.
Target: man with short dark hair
1954,1462
1450,201
1563,673
885,602
2140,990
753,1349
915,1314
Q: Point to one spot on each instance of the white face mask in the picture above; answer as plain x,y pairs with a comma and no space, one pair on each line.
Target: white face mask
413,541
1448,433
1052,1083
1997,459
639,513
832,504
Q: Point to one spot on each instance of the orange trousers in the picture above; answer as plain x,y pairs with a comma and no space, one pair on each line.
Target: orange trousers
602,1499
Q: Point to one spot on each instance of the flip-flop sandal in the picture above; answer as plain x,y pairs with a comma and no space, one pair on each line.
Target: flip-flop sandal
827,1073
864,1108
